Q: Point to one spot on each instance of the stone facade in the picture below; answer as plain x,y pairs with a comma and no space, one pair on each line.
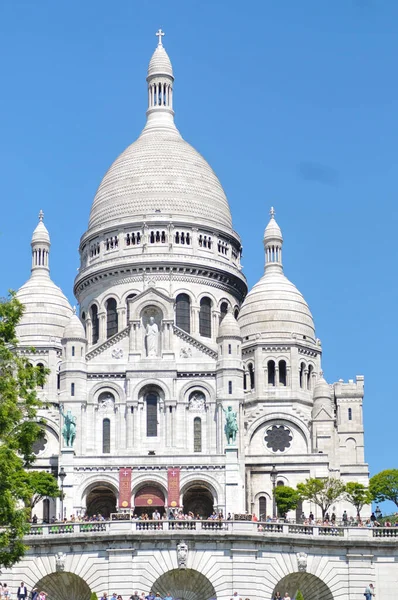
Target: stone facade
166,342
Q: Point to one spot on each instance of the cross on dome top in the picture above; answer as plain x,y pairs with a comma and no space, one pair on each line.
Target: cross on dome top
272,212
41,215
160,34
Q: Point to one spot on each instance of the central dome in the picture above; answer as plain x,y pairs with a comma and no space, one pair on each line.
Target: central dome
160,172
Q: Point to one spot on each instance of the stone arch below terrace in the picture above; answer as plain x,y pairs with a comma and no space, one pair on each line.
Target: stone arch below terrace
64,586
186,584
309,585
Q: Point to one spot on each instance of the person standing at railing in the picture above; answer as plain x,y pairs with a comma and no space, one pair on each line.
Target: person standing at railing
369,592
22,592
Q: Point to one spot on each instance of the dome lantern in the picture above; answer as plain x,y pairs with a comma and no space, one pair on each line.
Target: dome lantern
40,244
160,81
273,241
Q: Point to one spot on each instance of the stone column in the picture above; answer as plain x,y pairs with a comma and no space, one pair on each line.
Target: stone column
102,326
121,316
89,330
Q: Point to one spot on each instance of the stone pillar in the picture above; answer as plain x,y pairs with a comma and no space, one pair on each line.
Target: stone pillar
121,316
89,331
69,501
234,488
102,326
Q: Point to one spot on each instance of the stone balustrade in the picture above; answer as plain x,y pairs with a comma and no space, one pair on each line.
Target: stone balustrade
233,527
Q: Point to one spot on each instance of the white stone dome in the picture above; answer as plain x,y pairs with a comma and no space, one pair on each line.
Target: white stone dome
47,311
74,329
40,234
275,309
160,172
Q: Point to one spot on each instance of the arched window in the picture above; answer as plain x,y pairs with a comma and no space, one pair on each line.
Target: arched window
197,434
271,372
46,510
262,508
72,389
152,415
95,323
302,375
251,376
129,297
223,310
309,377
205,317
282,373
83,320
350,414
106,436
183,312
280,483
41,367
236,312
111,318
58,378
245,380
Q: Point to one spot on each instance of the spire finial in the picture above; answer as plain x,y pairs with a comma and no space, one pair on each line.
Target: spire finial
272,212
160,34
41,215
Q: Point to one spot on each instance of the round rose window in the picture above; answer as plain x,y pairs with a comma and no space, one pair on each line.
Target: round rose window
278,437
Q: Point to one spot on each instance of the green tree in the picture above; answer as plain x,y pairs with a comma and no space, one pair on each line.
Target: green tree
38,485
286,498
93,596
19,429
384,486
358,495
322,492
299,596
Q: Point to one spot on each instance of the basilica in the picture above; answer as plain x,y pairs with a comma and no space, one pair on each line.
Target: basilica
172,385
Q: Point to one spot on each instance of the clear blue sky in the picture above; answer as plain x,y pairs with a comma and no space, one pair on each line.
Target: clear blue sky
294,104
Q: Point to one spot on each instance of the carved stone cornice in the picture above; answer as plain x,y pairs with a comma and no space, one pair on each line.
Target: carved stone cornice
194,342
100,348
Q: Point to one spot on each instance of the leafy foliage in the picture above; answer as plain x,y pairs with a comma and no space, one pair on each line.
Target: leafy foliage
93,596
37,485
299,596
384,486
322,492
19,429
286,498
358,495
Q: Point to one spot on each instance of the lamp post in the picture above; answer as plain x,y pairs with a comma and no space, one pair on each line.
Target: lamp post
274,475
62,476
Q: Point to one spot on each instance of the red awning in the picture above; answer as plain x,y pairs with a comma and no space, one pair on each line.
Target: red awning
149,496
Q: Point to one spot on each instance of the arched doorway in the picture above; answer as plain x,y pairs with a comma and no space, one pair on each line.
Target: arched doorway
184,584
199,500
148,499
101,500
309,585
64,586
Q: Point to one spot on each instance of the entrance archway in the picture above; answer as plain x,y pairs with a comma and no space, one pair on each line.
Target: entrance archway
199,500
309,585
148,499
184,584
64,586
101,500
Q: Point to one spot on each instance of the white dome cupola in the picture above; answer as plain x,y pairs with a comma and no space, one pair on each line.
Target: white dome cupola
46,309
274,309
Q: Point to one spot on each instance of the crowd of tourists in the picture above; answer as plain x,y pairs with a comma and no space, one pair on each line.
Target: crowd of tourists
22,593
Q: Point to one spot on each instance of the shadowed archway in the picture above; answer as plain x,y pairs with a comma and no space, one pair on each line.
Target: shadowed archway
64,586
184,584
309,585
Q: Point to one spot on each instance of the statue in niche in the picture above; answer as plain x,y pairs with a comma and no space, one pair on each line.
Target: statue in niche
197,402
152,337
60,559
302,559
231,425
69,428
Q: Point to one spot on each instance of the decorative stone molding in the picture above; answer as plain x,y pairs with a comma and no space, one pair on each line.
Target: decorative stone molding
108,343
193,342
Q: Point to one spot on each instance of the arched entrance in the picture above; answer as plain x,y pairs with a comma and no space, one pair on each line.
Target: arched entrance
148,499
64,586
184,584
309,585
101,500
199,500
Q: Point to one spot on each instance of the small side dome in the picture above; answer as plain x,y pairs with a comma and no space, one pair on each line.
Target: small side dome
74,330
229,327
322,389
